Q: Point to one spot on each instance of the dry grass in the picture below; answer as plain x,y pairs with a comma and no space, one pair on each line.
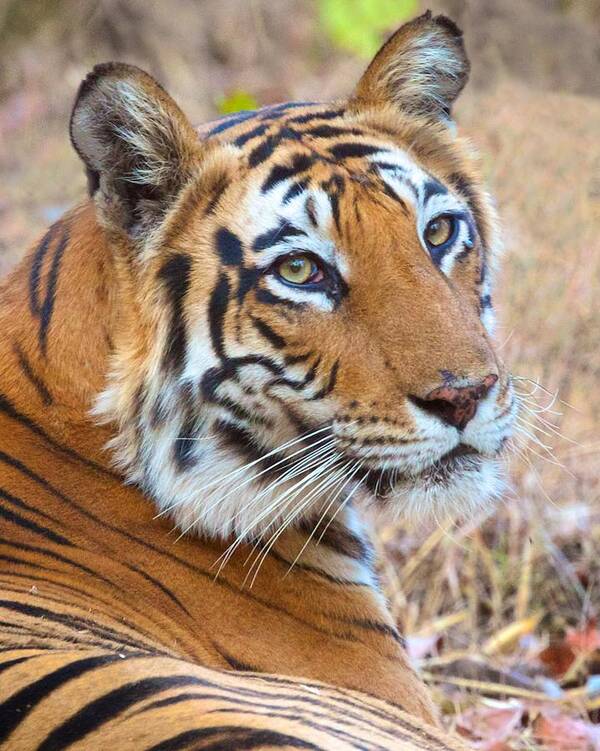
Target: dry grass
497,592
485,596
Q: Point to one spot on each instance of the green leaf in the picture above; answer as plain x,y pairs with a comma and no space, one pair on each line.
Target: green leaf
235,101
358,25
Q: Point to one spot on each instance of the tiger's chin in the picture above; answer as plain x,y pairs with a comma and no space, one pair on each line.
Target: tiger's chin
460,486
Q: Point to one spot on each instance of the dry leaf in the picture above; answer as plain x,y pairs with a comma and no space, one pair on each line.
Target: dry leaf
491,725
586,639
557,658
562,733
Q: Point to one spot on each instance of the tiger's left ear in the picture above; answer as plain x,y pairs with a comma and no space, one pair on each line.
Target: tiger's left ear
421,69
138,147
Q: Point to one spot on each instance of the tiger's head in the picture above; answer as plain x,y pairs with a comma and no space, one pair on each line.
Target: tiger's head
305,296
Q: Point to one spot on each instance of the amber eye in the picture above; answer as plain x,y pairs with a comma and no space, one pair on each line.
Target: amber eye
299,270
440,231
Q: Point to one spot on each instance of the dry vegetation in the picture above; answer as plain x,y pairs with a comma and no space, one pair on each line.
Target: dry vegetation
501,612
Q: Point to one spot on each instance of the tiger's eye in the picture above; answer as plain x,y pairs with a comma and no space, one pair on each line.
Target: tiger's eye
439,231
297,270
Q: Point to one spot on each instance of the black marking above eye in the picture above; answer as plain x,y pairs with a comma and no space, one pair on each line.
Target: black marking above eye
433,188
294,190
278,234
229,247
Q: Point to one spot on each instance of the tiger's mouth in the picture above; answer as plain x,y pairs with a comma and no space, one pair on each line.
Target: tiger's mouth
381,482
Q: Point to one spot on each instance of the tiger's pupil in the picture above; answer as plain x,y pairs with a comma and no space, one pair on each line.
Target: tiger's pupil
439,231
296,270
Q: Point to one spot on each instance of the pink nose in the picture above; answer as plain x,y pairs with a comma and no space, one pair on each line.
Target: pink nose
456,406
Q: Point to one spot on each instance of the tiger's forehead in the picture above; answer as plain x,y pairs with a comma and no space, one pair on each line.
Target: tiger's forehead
332,151
303,158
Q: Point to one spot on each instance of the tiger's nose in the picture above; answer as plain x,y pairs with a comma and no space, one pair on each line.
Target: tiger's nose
456,406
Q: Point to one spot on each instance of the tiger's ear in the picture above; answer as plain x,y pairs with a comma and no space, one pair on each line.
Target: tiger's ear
421,69
138,147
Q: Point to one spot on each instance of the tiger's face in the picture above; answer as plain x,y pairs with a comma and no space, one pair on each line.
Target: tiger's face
308,297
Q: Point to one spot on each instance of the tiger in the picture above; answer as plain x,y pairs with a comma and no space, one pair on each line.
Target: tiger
250,334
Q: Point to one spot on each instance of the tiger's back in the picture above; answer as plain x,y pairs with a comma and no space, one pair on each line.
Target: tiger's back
256,371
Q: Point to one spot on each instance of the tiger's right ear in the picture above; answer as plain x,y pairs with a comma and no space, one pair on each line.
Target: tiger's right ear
138,147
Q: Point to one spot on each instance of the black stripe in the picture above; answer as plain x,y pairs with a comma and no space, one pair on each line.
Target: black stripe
433,188
50,554
165,590
341,540
232,661
332,131
298,385
464,186
278,234
280,109
175,275
219,187
389,191
247,279
24,523
369,625
295,189
267,332
300,163
229,247
295,359
7,407
53,584
11,663
233,737
231,121
328,388
34,379
254,133
217,309
311,213
268,298
331,578
72,622
185,445
263,151
354,150
109,706
281,713
311,116
27,507
19,705
48,305
36,269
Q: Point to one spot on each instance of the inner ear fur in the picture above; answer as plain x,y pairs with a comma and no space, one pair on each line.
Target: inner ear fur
421,69
138,147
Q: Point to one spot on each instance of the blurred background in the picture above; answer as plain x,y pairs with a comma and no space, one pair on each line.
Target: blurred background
501,613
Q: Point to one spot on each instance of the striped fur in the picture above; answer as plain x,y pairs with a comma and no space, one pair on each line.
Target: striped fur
156,371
